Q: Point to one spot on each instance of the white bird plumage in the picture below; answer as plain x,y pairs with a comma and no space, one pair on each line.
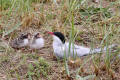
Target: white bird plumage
37,42
26,42
61,48
21,41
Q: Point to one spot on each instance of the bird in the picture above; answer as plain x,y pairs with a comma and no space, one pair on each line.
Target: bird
21,41
37,42
63,49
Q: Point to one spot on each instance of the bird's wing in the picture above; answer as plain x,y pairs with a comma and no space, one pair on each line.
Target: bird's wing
19,42
76,46
78,50
72,46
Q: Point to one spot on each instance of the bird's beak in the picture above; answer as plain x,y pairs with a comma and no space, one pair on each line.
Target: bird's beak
51,33
29,36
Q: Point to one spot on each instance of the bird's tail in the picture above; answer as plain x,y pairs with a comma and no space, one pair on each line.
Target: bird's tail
99,50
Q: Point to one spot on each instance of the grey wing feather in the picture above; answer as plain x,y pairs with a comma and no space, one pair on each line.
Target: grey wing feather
17,43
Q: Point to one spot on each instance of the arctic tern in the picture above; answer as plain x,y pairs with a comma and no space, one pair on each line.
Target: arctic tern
37,42
21,41
61,48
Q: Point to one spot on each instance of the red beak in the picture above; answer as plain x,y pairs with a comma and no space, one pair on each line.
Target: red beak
51,33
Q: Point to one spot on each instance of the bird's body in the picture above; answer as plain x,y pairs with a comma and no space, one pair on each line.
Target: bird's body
60,51
62,48
20,42
72,50
37,42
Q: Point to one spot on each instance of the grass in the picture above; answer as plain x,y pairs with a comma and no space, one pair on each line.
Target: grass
38,69
83,22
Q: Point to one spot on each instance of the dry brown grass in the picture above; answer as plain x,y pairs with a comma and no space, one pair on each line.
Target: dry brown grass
47,16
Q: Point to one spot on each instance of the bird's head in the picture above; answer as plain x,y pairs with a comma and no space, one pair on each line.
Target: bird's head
25,36
37,35
58,37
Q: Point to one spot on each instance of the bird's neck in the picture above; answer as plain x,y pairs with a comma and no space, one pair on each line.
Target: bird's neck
57,41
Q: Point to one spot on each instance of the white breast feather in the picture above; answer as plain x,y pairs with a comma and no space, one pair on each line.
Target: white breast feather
25,42
39,43
75,50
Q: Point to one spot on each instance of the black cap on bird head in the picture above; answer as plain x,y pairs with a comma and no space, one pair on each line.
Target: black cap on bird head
37,35
25,36
59,35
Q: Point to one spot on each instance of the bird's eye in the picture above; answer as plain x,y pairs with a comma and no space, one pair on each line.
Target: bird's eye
25,36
